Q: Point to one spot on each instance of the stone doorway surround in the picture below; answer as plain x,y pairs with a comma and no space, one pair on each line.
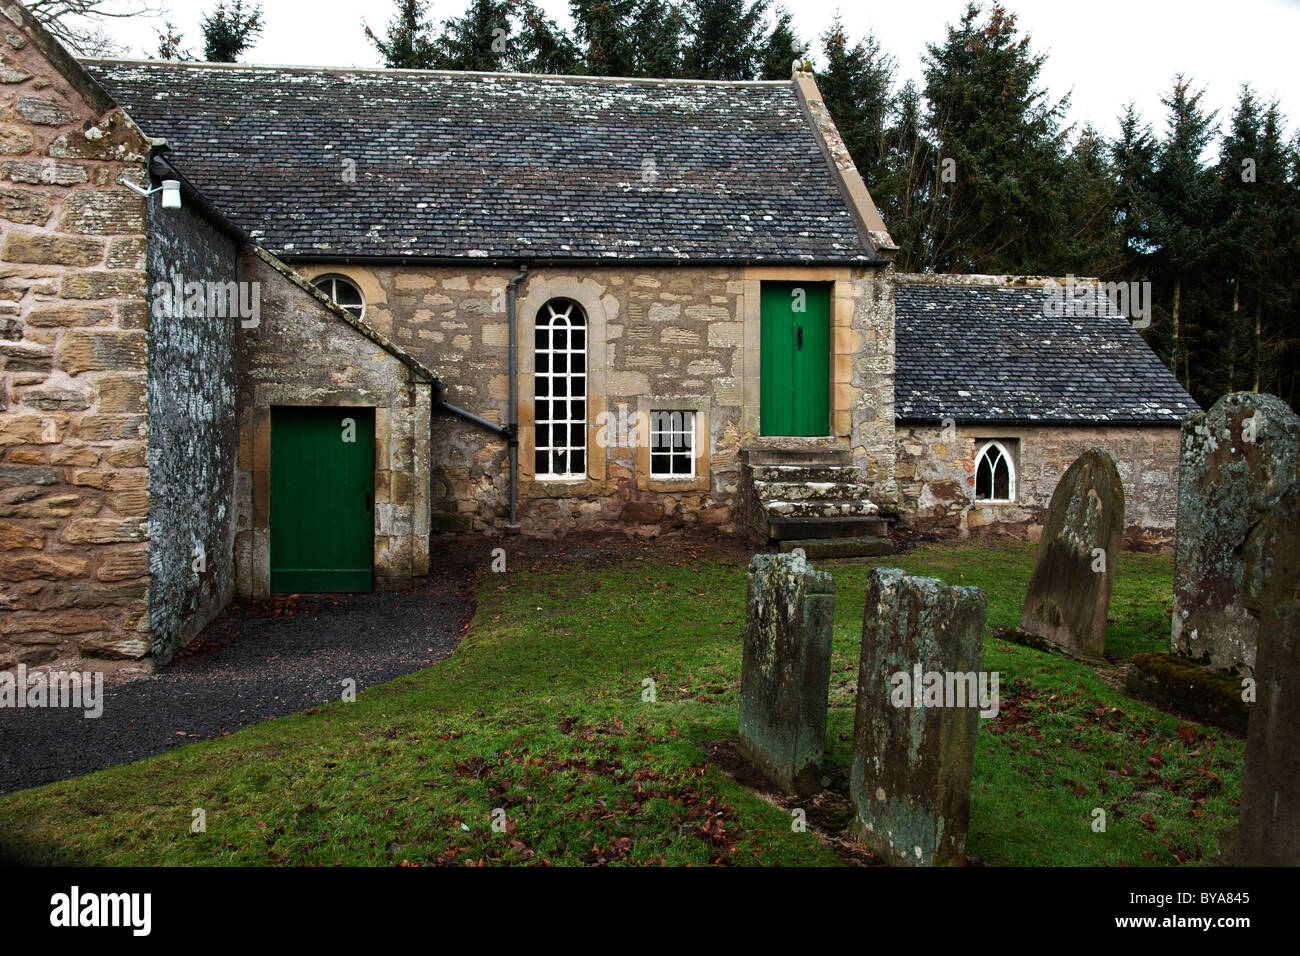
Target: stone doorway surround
844,343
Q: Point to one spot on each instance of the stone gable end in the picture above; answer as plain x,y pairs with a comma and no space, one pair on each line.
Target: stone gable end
73,487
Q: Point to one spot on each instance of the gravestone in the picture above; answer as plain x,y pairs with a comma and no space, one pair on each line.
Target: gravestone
1245,450
1069,592
918,709
1268,830
786,670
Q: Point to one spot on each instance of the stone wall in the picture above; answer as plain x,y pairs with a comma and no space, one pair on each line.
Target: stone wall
191,359
304,351
73,416
659,338
936,478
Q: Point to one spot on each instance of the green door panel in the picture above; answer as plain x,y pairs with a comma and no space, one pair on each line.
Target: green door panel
795,358
322,499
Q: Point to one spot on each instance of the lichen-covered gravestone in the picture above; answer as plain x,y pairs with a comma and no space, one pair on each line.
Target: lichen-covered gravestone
920,686
1268,830
1245,450
786,671
1069,593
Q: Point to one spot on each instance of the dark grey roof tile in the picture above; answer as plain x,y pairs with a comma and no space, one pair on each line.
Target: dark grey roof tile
997,354
495,166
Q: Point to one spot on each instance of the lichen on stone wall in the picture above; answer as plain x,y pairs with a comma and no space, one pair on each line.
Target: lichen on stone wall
192,436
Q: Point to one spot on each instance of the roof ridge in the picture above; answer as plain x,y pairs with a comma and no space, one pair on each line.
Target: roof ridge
475,74
993,280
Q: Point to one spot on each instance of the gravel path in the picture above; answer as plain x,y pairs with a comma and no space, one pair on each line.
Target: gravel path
253,663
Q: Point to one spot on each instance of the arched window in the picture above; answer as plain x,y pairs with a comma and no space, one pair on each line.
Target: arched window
343,292
995,473
560,390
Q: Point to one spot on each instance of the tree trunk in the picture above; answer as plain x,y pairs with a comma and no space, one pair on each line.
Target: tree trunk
1178,292
1259,325
1232,351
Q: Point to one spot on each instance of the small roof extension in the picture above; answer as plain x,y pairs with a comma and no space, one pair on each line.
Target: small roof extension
988,349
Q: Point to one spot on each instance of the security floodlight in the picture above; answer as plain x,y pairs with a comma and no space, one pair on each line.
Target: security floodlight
170,189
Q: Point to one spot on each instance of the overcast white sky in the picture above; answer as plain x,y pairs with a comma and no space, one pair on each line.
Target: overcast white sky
1105,52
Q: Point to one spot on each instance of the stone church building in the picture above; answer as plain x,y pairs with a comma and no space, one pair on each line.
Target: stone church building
360,312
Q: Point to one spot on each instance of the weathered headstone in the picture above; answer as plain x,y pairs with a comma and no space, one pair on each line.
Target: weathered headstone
1268,830
1245,450
1069,592
786,670
918,708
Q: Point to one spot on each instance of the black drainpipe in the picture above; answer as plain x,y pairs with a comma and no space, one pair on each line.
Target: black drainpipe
439,404
513,363
509,432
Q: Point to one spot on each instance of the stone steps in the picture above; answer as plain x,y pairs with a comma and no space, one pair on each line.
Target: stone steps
809,489
821,508
800,456
802,528
780,474
854,547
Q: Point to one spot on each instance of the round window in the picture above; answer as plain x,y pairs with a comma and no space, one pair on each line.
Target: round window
343,292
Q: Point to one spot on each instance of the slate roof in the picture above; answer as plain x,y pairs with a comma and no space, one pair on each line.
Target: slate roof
994,354
495,165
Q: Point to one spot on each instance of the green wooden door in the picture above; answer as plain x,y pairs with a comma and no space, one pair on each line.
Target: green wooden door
795,358
322,499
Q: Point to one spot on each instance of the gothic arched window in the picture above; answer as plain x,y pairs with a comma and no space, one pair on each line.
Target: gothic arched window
995,473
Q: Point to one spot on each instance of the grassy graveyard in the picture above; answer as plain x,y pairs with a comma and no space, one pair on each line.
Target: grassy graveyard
540,714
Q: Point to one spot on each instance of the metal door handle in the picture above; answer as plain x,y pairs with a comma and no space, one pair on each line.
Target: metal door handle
799,339
368,506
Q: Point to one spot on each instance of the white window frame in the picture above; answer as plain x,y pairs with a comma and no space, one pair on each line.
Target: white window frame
329,282
557,313
980,454
686,431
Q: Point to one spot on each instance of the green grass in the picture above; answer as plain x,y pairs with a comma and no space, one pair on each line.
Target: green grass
540,714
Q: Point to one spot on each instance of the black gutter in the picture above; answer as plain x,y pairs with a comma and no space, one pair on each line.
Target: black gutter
512,289
553,262
161,167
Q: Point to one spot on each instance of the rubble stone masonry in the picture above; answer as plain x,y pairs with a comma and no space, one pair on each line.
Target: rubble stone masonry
73,425
683,337
936,475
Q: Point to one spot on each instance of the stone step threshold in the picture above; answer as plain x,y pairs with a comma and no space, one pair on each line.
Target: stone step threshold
771,491
795,529
792,474
798,456
856,547
820,508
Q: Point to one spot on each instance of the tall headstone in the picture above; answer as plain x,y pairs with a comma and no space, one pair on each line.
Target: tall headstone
1268,829
1245,450
920,686
786,670
1069,592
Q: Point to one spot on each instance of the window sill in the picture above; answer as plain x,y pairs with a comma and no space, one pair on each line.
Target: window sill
674,485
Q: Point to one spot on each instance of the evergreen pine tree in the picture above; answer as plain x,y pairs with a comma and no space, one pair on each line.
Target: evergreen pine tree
229,31
1183,193
725,38
1000,149
406,44
781,48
